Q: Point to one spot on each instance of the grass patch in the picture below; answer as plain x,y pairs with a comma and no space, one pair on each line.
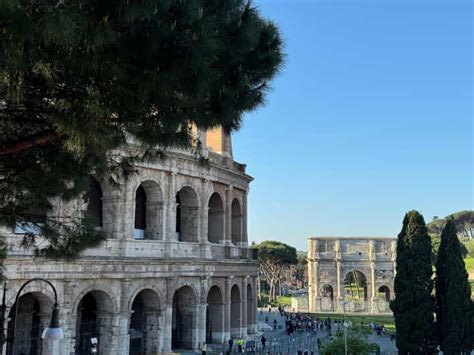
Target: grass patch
469,264
387,321
284,300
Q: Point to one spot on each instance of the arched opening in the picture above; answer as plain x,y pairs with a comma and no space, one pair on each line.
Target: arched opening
27,324
327,298
145,323
383,299
236,227
93,323
355,288
187,215
148,211
215,219
93,198
184,323
37,218
235,315
250,310
384,293
215,316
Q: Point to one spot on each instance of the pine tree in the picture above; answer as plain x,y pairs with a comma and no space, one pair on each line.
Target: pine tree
80,79
453,295
414,306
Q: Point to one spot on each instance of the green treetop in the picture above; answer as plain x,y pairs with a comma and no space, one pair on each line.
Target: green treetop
79,79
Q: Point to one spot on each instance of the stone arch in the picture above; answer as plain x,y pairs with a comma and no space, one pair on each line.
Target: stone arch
383,299
94,197
236,225
187,214
250,309
145,322
327,298
384,293
355,289
235,311
148,219
215,315
215,219
94,320
99,288
27,320
184,318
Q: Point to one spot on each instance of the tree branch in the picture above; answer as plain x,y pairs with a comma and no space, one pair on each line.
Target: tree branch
21,144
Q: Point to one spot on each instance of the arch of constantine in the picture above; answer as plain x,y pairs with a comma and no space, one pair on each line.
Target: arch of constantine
351,274
175,270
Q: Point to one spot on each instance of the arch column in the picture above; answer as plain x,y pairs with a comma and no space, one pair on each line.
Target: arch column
339,305
245,240
168,314
227,307
228,215
373,296
243,307
201,312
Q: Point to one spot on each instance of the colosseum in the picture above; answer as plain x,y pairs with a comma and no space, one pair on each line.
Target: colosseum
351,274
175,270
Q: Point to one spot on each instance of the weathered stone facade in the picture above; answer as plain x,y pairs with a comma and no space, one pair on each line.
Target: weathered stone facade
351,274
175,270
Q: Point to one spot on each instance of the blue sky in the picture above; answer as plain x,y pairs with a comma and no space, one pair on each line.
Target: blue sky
370,117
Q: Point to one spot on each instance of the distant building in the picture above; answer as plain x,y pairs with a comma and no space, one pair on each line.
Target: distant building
354,274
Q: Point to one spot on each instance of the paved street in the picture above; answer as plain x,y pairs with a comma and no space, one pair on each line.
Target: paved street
279,341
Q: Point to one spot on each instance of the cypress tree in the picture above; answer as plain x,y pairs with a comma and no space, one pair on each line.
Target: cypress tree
414,306
453,295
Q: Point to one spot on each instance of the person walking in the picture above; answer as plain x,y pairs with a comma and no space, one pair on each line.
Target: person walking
231,345
240,344
264,341
203,348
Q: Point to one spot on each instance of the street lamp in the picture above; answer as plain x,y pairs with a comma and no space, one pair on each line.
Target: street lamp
345,325
53,332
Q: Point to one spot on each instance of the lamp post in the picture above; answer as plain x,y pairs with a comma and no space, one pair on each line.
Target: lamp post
53,332
344,324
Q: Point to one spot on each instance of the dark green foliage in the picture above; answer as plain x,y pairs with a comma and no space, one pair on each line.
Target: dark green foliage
463,220
453,295
414,305
357,343
79,79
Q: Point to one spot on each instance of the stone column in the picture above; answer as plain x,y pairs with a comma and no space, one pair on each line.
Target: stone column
245,239
170,213
317,297
201,312
227,304
393,248
243,307
228,215
168,314
255,305
204,216
339,293
373,296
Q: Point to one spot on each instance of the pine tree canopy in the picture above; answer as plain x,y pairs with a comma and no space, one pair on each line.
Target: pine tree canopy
79,79
414,305
454,313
